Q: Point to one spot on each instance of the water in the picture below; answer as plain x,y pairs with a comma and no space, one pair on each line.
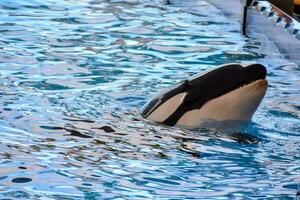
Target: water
73,75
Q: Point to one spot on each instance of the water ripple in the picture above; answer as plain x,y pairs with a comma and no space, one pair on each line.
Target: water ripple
73,75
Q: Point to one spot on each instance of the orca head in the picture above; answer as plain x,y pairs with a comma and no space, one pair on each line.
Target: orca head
229,92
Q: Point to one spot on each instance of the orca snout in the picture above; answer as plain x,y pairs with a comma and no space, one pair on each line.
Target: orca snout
256,71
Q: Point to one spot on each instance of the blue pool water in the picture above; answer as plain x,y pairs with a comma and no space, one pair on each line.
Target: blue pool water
73,75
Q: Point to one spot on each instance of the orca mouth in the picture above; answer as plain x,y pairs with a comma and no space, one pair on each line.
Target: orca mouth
204,87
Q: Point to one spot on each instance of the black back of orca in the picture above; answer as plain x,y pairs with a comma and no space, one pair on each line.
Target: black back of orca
205,87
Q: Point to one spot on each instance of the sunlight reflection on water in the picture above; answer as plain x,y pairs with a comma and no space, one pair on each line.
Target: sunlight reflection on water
74,75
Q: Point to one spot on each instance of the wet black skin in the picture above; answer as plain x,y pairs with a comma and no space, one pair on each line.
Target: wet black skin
205,87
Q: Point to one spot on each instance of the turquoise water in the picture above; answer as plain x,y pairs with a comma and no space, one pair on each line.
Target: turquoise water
73,75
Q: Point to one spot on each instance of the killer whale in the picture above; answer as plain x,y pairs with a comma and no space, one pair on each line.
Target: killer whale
228,92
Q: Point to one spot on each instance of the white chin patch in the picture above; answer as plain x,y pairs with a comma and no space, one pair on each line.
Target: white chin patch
237,105
167,108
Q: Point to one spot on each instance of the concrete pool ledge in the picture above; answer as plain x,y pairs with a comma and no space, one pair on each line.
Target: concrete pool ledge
278,17
268,23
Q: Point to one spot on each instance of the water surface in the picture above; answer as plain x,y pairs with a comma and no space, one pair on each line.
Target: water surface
73,75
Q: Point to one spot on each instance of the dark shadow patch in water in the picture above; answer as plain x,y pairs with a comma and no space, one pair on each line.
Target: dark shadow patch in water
68,20
21,180
87,184
293,186
244,138
282,114
135,119
52,127
98,142
43,85
76,133
79,120
183,147
298,194
9,7
3,177
122,134
107,129
162,181
21,167
162,155
40,7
